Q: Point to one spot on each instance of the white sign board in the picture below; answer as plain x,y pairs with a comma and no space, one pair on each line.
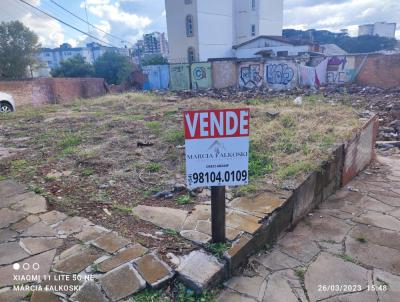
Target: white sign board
217,147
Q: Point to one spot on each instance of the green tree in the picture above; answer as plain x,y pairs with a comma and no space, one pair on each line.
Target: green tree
362,44
154,60
18,48
113,67
74,67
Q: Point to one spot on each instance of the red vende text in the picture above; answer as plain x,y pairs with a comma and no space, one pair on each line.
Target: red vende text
216,123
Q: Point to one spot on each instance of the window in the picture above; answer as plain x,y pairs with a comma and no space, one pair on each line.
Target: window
253,4
282,53
188,1
253,30
191,55
189,26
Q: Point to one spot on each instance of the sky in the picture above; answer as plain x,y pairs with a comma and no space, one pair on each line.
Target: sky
128,20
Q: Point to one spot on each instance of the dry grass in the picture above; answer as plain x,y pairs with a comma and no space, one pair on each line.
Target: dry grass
97,139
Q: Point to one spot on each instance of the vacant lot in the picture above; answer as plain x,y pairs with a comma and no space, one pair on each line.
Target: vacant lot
101,157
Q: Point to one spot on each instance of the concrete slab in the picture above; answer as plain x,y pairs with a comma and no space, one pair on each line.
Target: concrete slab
250,286
166,218
39,245
76,263
122,282
153,270
379,220
10,188
199,270
243,222
122,257
8,217
11,252
276,260
371,254
260,205
327,270
44,260
111,242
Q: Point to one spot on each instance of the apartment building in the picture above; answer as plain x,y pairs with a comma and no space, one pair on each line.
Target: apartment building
203,29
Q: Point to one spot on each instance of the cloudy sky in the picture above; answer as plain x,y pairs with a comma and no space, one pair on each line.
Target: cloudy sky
127,20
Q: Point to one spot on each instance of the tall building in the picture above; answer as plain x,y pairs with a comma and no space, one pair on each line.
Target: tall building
203,29
155,43
381,29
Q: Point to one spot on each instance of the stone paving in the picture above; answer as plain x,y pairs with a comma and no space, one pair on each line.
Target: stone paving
346,251
242,216
34,242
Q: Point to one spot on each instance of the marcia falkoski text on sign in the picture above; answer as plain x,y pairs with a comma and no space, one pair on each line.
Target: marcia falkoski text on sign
217,147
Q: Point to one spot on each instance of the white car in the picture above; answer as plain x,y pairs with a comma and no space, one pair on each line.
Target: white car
7,103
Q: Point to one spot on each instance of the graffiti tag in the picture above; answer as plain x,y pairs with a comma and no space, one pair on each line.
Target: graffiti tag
279,74
199,73
250,75
335,62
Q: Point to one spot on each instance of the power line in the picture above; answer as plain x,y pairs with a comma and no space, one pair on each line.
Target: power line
87,21
67,24
27,10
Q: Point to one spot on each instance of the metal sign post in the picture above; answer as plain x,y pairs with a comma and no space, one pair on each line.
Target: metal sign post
217,155
218,214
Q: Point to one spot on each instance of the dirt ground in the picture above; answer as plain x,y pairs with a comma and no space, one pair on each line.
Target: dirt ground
101,157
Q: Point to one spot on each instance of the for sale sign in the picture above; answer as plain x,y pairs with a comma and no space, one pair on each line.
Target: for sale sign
217,147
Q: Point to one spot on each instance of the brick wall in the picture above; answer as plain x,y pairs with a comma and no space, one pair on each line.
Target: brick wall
52,90
380,71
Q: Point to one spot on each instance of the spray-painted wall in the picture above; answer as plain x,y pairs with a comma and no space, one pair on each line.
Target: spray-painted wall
157,77
201,75
251,74
224,74
281,75
179,76
341,69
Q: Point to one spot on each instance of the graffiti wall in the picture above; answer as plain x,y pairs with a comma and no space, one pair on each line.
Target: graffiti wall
157,77
179,76
250,74
201,75
340,70
281,75
224,74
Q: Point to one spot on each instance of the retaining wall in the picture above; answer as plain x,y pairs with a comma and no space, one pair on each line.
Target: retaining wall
53,90
346,162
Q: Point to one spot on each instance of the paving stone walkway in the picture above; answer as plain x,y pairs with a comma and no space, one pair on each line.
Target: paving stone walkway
71,258
346,251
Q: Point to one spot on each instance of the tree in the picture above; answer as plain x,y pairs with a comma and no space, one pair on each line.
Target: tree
154,60
74,67
18,48
362,44
113,67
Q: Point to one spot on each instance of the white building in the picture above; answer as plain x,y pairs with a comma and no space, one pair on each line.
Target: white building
52,57
272,46
203,29
381,29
